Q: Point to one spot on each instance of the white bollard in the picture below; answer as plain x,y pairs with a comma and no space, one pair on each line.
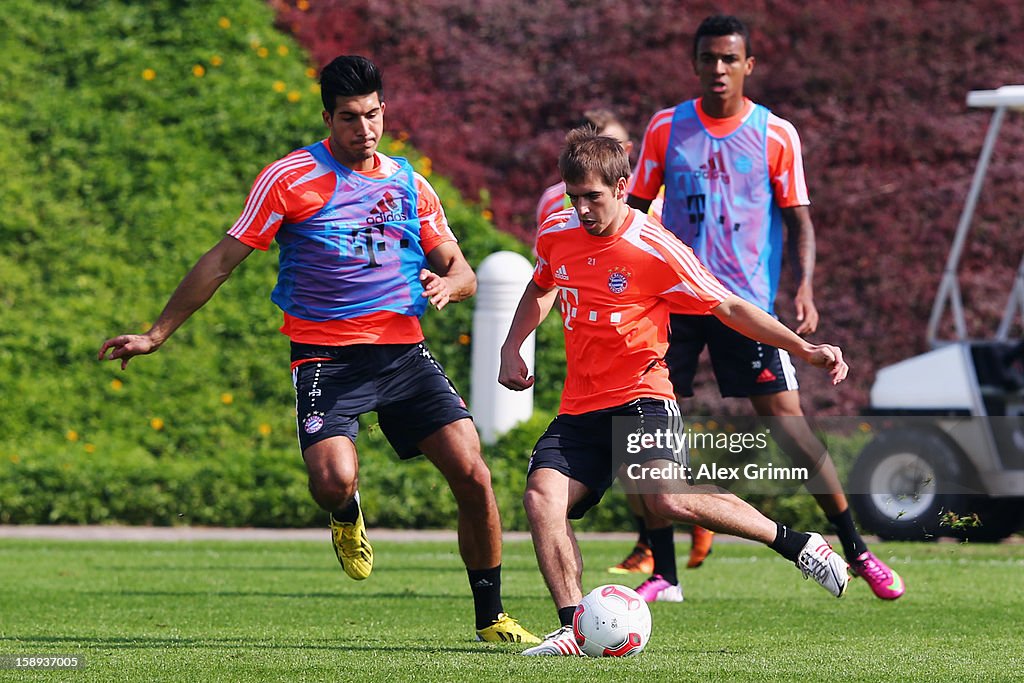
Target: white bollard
501,279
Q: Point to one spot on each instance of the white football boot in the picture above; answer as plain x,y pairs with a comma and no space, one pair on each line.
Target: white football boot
817,560
560,643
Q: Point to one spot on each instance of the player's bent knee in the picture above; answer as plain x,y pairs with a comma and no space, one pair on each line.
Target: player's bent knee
475,473
536,504
657,505
472,481
676,507
331,493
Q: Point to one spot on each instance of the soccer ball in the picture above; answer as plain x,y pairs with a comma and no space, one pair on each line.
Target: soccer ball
612,621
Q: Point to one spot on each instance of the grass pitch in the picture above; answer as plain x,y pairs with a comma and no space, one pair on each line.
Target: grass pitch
284,611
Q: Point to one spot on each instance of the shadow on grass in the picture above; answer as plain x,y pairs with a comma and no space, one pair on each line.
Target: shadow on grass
517,598
319,567
241,644
403,595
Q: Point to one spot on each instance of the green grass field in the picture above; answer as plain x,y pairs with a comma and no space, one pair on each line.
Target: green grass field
283,611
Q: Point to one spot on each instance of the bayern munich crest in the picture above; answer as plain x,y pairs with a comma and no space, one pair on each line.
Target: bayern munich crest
313,424
617,282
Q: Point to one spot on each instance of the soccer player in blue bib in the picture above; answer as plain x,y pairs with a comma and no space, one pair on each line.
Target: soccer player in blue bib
734,183
364,247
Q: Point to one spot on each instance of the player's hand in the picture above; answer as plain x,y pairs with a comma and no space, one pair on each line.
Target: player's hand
435,289
513,373
829,358
126,347
806,312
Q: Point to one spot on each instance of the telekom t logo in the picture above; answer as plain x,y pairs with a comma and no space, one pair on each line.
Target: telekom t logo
569,300
371,243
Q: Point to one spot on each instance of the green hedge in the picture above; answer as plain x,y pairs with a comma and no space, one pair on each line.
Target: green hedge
267,487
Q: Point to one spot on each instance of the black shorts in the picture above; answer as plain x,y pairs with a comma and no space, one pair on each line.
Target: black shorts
402,382
583,447
743,367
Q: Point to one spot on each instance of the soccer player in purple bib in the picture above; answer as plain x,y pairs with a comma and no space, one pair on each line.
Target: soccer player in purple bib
364,246
733,178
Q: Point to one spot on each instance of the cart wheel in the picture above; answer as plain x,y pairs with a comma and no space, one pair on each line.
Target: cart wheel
904,481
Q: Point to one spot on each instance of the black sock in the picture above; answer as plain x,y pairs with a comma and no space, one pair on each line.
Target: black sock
348,512
788,543
486,587
642,535
565,615
663,548
853,544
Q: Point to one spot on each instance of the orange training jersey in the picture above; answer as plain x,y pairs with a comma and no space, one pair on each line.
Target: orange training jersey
295,188
785,159
616,293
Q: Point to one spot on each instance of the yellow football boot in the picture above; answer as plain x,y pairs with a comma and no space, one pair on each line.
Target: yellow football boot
505,629
352,547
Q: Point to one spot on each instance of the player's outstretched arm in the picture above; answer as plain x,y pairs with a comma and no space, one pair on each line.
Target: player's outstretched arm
534,306
751,321
800,231
209,273
452,278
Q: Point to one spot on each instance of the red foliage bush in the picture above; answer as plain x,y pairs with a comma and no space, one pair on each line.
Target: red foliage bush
877,91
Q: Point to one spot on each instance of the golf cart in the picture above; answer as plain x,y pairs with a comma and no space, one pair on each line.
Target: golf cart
947,457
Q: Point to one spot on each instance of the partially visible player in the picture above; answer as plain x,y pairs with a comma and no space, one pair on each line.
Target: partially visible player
364,247
617,274
640,559
553,199
734,181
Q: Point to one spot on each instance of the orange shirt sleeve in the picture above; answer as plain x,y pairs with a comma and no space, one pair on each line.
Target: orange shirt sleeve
552,200
542,275
434,228
272,200
649,173
786,164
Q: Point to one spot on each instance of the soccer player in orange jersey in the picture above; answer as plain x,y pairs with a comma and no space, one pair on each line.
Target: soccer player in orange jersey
734,183
364,247
617,273
640,559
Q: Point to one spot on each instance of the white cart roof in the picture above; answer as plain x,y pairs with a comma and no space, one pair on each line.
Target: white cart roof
1011,96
